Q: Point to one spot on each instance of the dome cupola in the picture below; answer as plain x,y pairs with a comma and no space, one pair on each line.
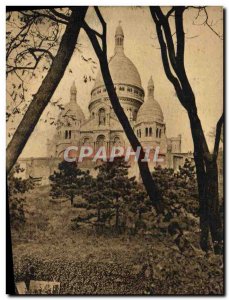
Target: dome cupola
150,87
126,79
151,110
72,114
119,39
73,92
122,69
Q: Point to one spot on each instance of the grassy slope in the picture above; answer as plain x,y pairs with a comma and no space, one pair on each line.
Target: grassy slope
85,263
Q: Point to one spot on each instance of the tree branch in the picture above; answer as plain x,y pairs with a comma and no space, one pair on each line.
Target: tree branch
59,15
164,54
33,50
51,17
104,26
47,88
163,21
180,35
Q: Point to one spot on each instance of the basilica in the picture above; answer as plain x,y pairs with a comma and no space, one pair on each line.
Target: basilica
102,127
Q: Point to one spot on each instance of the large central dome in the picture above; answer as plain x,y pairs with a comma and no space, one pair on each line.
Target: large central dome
122,69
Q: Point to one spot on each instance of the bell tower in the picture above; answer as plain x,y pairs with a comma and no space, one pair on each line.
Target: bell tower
73,93
119,39
150,88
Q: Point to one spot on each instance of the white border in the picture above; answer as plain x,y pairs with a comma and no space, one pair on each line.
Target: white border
3,97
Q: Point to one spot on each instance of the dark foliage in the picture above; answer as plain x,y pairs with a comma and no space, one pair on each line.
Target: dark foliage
69,181
17,187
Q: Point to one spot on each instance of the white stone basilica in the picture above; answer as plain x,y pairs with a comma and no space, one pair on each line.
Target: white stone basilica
102,128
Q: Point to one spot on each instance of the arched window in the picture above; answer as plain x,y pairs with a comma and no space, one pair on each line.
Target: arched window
150,131
102,116
69,134
100,141
86,141
146,131
140,133
66,134
157,133
117,141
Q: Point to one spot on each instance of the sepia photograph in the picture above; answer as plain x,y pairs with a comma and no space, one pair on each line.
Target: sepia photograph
115,150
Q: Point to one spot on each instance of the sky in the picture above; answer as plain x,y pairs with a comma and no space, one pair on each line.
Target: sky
203,62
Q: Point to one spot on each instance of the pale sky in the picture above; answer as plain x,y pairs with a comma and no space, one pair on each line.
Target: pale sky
203,61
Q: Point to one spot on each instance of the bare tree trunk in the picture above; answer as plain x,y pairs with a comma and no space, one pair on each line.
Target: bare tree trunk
47,88
212,194
207,179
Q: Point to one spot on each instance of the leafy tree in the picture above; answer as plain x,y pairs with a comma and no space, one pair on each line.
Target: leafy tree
111,190
68,181
118,186
17,187
139,202
96,195
178,190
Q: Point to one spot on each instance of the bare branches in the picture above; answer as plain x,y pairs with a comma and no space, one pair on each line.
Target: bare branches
16,41
218,135
173,62
104,25
33,50
205,21
47,87
32,42
59,15
50,16
210,25
169,13
93,34
164,53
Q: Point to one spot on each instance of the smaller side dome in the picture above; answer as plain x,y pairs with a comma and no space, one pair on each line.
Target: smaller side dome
150,111
72,111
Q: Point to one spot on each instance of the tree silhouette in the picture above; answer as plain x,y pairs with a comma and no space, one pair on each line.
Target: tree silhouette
119,186
139,201
51,80
69,181
17,187
172,54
